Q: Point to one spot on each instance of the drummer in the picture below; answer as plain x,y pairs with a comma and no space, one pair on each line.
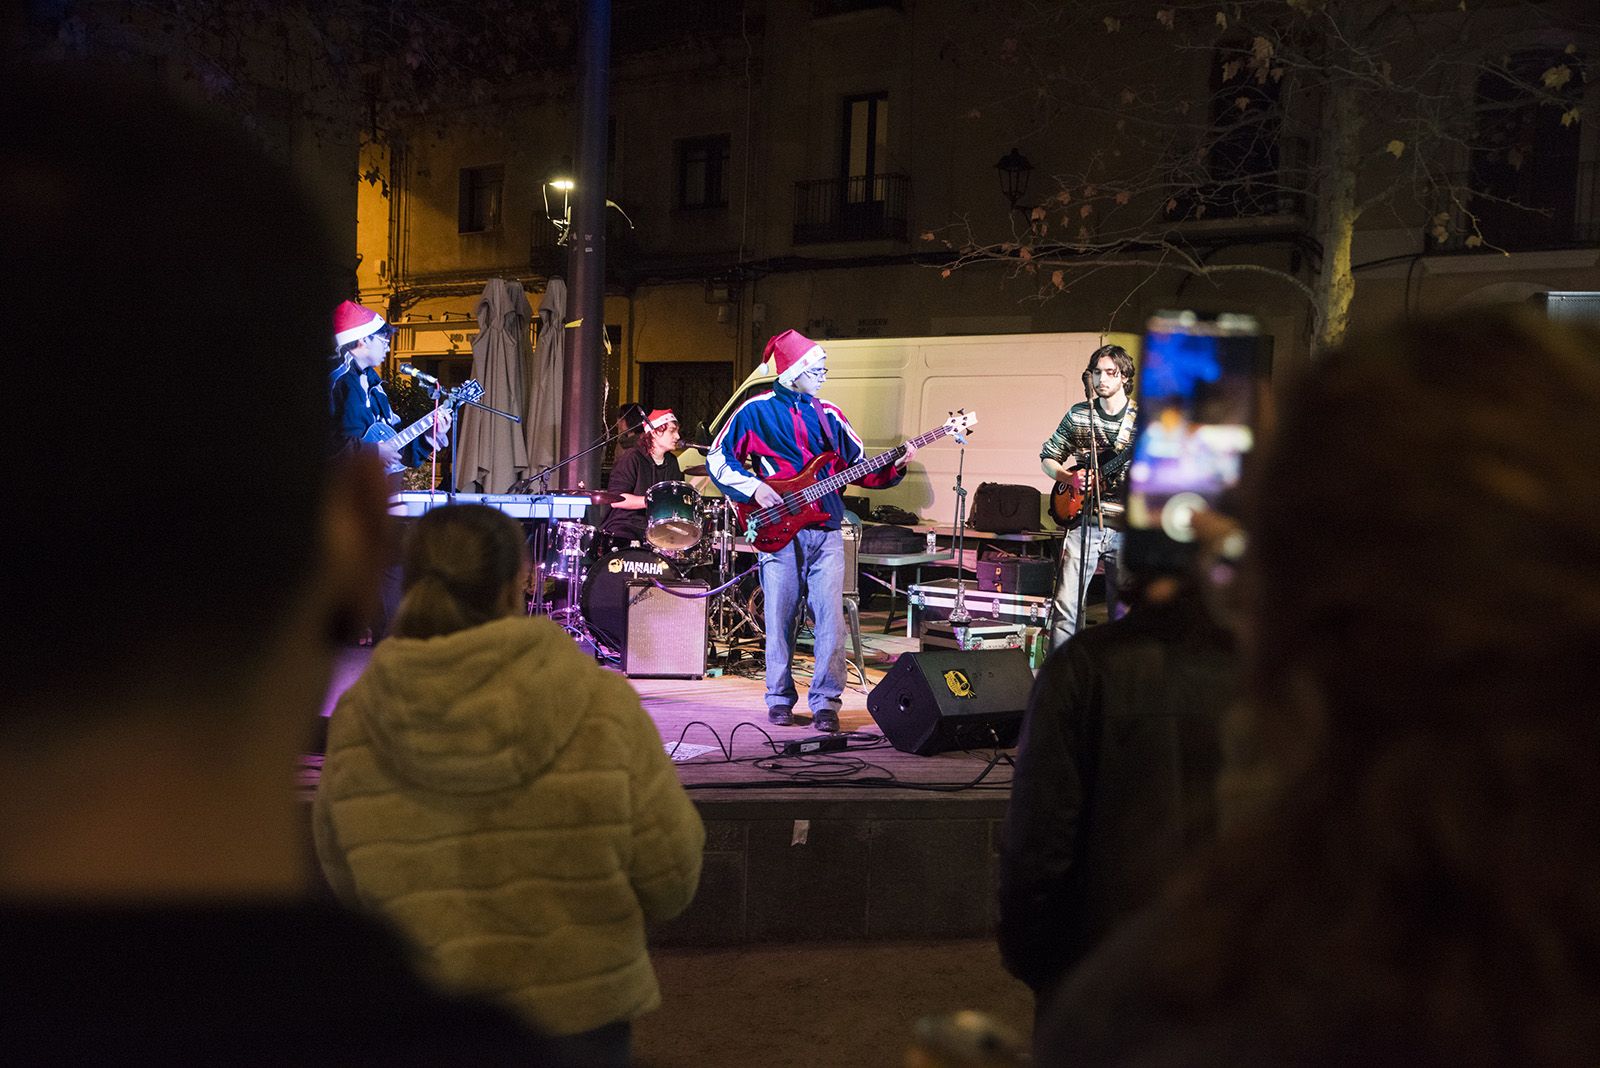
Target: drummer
649,461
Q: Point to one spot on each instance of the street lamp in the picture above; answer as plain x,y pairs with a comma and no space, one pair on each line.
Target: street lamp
1014,170
560,182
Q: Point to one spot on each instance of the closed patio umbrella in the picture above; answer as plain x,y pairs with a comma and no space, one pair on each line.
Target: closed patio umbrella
493,451
542,423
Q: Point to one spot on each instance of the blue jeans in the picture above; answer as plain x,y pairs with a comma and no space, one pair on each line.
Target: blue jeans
813,560
1104,545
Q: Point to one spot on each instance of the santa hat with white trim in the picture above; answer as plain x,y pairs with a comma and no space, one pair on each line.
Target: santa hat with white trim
659,418
792,355
352,322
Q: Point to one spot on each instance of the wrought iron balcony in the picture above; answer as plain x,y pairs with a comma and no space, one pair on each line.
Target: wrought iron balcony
865,208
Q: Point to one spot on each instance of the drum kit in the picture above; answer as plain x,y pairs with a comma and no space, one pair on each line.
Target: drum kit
581,576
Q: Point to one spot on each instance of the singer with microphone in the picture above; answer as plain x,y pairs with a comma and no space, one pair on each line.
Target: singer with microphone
649,461
1092,434
358,400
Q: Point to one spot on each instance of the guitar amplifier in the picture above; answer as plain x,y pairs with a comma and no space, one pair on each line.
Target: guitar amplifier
666,633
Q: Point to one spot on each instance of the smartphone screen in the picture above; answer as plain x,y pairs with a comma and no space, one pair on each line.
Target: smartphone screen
1197,387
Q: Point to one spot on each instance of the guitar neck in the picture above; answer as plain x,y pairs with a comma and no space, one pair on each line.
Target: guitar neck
419,428
820,489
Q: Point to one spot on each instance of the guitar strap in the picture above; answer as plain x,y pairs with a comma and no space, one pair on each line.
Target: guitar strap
822,421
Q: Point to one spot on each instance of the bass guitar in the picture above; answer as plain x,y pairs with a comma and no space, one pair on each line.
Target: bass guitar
381,433
1067,500
771,528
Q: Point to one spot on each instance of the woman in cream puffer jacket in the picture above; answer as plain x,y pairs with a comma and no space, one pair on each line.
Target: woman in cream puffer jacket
503,799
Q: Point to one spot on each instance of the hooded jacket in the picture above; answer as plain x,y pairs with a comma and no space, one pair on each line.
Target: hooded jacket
507,803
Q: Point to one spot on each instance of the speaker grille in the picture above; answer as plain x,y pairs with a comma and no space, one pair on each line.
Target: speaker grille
666,634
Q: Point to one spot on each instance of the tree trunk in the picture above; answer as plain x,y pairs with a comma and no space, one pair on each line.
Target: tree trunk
1335,285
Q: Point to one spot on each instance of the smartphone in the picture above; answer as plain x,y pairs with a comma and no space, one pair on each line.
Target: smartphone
1199,378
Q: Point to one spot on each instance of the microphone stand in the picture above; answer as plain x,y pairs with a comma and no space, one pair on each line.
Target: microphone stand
1094,512
436,391
958,610
525,485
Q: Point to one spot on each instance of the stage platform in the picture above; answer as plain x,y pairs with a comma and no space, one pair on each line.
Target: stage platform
866,843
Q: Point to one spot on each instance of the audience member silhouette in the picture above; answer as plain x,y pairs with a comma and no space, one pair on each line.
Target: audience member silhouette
182,556
1418,879
504,799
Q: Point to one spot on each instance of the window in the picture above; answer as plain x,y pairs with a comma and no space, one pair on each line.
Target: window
702,172
866,147
480,198
1526,171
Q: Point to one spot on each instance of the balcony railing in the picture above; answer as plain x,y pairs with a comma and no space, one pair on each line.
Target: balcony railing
865,208
1557,211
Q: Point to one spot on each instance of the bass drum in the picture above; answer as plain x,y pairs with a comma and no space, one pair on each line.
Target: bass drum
605,591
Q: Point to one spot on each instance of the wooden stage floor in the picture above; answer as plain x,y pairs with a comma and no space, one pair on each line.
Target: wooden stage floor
728,751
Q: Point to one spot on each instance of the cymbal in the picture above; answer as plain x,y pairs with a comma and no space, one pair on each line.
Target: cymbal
595,496
696,471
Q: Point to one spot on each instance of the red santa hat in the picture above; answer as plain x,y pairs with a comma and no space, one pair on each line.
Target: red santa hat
352,322
792,355
659,418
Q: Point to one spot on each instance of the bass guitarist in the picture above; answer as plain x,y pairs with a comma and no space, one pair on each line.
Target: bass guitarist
775,434
1104,425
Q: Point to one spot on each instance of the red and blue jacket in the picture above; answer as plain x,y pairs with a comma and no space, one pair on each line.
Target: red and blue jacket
777,433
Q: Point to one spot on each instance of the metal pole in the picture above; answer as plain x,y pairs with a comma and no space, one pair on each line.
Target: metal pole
581,417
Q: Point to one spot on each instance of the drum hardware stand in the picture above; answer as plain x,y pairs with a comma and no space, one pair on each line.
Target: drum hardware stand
954,627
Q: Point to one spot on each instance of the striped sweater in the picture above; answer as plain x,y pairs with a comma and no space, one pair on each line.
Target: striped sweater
777,433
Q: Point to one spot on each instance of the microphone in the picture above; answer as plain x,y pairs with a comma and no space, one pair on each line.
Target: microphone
407,369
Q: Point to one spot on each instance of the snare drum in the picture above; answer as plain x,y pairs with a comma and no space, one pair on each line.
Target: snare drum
673,511
605,590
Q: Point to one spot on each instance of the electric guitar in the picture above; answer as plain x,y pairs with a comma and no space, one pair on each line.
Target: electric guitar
1066,499
381,433
771,528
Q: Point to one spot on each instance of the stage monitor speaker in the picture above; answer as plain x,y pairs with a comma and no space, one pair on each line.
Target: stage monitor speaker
666,633
943,699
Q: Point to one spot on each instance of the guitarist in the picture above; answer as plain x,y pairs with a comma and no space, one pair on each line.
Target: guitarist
358,401
1106,425
362,338
775,434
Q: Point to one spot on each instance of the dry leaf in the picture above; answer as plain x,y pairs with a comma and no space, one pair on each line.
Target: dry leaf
1112,24
1183,107
1570,116
1123,197
1242,103
1556,77
1570,50
1085,211
1473,241
1514,157
974,114
1037,215
927,235
1395,148
1165,16
1230,69
1058,279
1024,254
945,273
1172,205
1222,20
1440,234
1126,96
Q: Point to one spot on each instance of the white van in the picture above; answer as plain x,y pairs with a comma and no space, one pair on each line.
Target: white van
1019,385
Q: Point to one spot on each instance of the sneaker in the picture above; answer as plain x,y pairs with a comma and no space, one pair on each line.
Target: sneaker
827,722
780,715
